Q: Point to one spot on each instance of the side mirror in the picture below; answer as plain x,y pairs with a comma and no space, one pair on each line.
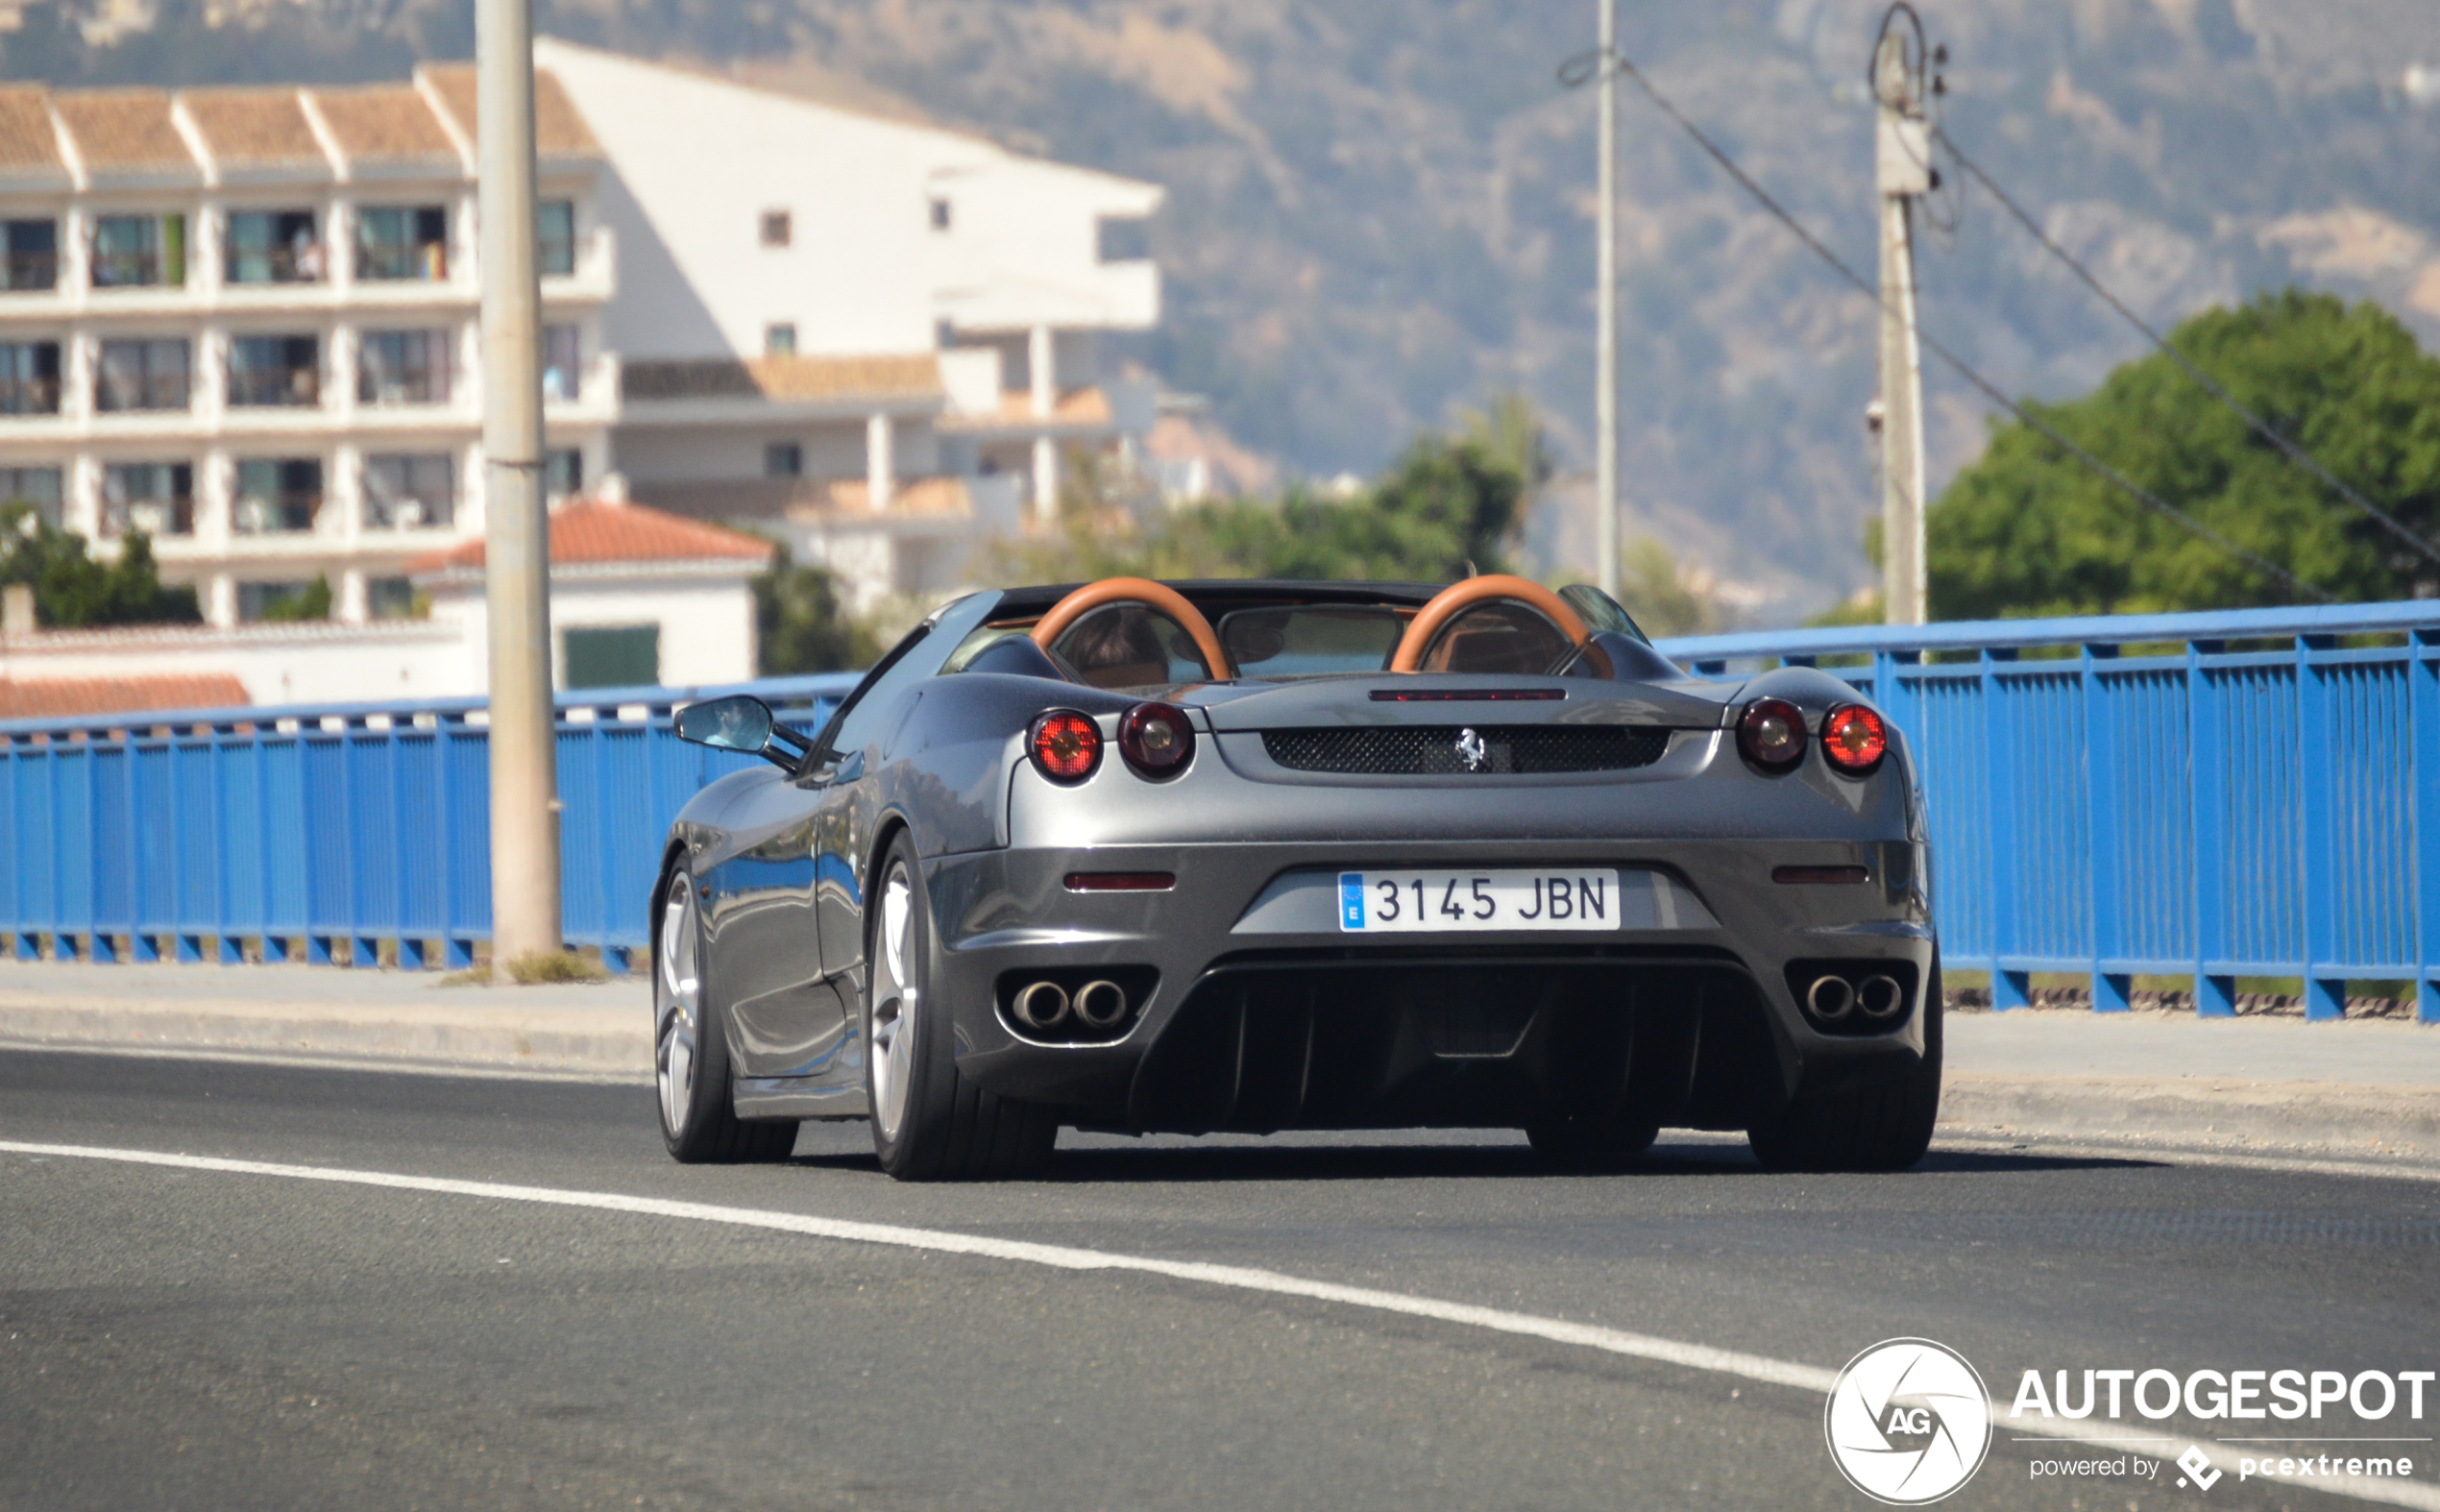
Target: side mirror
738,722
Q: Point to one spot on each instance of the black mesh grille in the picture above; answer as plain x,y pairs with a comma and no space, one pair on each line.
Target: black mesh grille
1430,751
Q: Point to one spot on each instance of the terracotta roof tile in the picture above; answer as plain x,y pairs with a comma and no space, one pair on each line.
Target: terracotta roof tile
27,139
44,697
383,121
560,128
590,531
253,126
123,129
801,378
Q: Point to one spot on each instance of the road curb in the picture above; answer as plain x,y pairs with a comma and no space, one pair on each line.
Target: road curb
2322,1115
608,1041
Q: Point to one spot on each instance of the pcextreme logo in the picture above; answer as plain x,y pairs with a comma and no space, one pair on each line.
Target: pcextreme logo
1909,1422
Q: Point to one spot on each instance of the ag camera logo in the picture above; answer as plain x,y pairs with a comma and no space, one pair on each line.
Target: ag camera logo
1909,1422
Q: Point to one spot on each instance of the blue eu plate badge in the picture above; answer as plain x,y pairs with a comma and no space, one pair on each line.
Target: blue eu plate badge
1350,900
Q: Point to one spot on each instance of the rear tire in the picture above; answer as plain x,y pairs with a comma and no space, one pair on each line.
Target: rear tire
1589,1144
929,1123
1886,1128
700,1124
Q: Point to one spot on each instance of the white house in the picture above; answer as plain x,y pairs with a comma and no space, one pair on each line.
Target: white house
870,338
243,321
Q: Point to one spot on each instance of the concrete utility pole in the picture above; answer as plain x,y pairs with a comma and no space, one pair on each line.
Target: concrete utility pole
516,528
1606,401
1902,151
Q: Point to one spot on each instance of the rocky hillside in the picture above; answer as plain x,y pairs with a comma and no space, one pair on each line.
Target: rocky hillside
1381,209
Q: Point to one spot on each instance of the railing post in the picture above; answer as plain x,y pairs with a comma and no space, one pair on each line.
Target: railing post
2102,894
2423,696
2324,996
2207,772
2009,989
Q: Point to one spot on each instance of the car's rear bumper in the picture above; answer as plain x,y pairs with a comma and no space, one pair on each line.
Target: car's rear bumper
1260,1014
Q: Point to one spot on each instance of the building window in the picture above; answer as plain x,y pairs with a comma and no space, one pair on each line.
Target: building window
142,374
779,339
29,377
563,472
29,256
37,486
403,367
139,250
783,459
284,600
777,230
409,492
403,241
273,247
555,239
156,498
621,656
393,599
1124,239
275,369
940,214
562,362
277,496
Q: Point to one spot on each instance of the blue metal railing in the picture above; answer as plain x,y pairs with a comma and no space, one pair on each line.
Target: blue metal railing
135,836
2213,795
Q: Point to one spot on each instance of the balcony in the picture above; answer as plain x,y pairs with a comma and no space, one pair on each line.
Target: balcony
404,367
142,376
303,264
589,273
31,396
287,511
153,516
275,372
29,272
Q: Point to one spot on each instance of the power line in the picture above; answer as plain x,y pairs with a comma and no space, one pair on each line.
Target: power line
1989,390
2261,427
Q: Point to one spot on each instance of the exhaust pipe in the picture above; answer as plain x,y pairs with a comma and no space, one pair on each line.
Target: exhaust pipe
1042,1005
1880,996
1831,997
1101,1004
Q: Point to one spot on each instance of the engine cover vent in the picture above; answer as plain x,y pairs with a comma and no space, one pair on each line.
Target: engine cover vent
1462,750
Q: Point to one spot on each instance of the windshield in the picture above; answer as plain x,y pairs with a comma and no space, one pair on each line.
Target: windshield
1310,641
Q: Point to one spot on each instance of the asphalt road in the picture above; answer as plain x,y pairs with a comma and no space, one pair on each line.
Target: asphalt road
173,1338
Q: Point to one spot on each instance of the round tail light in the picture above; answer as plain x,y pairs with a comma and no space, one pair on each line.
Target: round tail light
1066,745
1772,733
1854,739
1156,739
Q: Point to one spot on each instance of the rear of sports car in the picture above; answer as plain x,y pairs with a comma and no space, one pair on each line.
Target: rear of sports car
1581,907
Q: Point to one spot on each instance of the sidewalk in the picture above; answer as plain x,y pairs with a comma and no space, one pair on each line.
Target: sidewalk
2358,1087
333,1013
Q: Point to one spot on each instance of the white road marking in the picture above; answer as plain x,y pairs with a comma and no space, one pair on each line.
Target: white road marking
1613,1341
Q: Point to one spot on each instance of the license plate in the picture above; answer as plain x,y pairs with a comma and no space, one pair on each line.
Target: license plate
1443,902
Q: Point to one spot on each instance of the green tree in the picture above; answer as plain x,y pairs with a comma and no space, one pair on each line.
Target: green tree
1451,502
1655,589
2030,530
803,626
313,601
73,590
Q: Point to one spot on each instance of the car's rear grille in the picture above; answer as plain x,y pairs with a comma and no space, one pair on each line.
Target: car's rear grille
1493,749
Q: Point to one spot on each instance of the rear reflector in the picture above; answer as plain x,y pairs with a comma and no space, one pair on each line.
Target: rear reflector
1468,694
1121,881
1847,876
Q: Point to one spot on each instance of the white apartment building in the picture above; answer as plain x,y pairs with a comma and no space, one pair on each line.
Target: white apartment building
871,339
244,321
